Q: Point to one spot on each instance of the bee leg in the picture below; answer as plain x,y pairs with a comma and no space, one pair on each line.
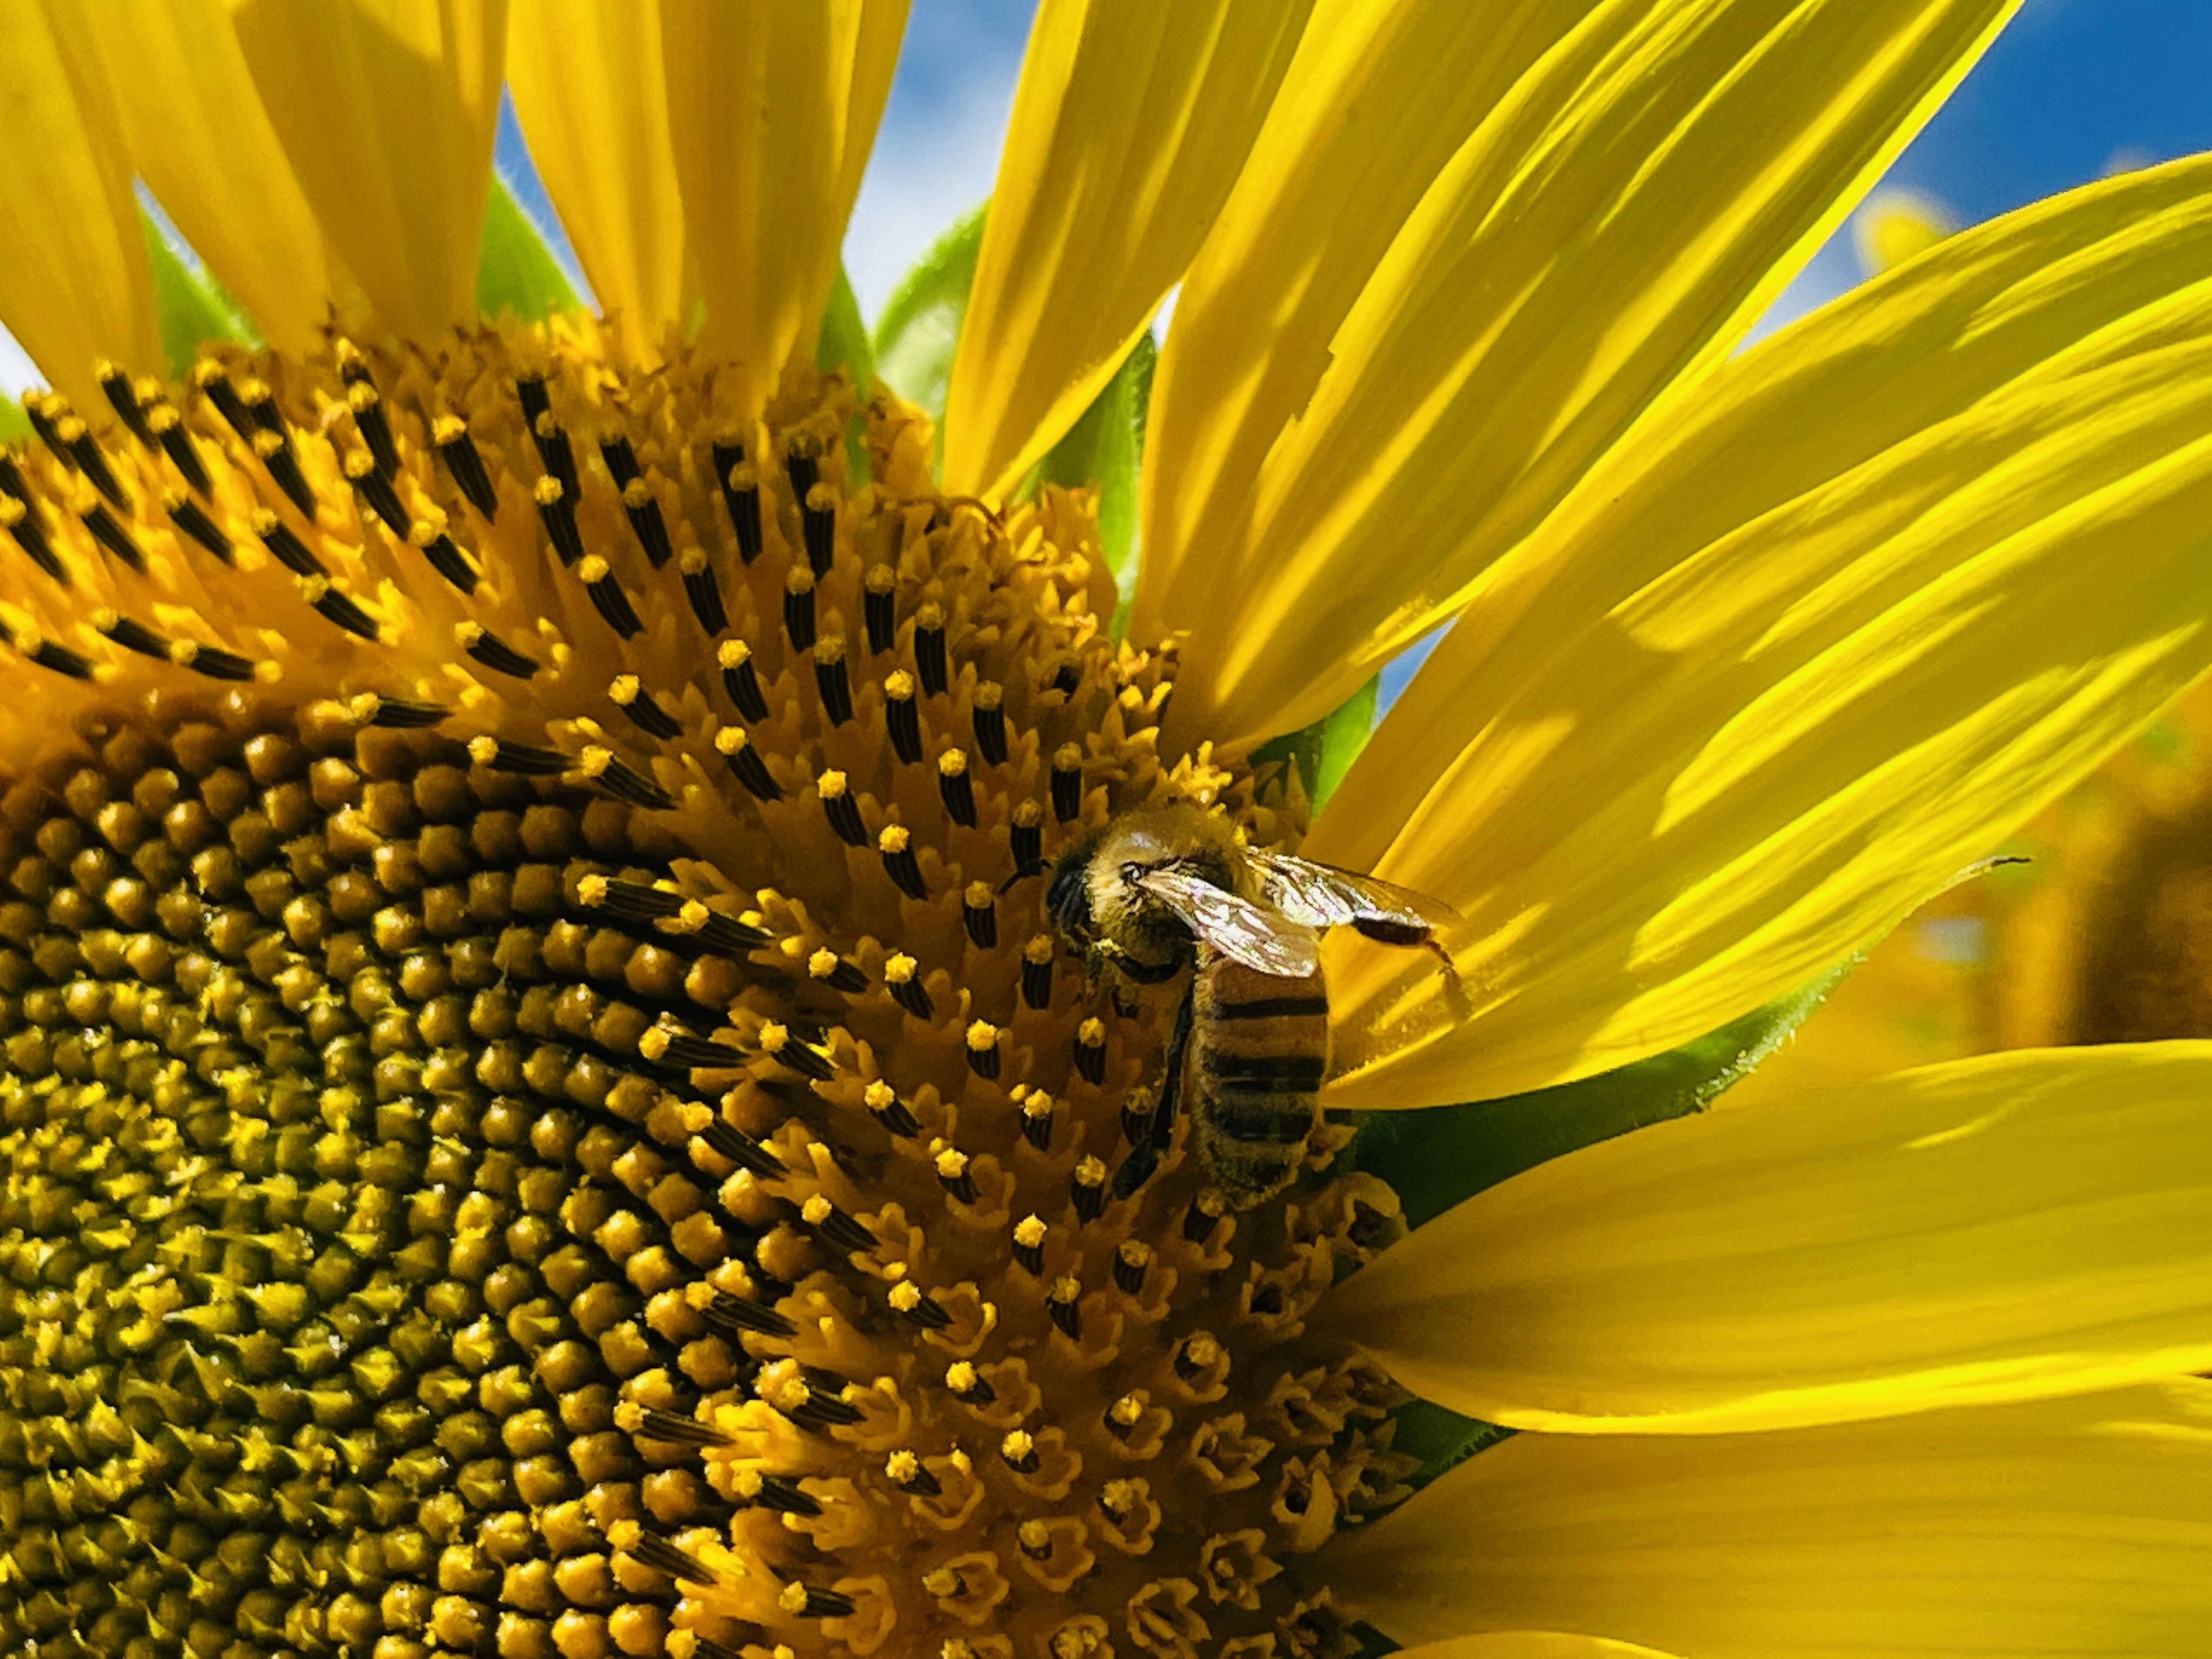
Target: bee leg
1454,992
1145,1155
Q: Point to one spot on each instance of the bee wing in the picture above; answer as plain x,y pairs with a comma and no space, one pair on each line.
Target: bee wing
1241,930
1322,896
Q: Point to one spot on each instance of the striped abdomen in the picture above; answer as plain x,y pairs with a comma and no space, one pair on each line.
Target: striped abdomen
1258,1051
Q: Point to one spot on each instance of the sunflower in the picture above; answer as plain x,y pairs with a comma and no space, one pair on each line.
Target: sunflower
543,1114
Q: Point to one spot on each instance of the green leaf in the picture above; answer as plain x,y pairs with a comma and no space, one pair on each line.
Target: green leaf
1436,1157
1323,752
843,343
920,328
516,271
1106,447
189,307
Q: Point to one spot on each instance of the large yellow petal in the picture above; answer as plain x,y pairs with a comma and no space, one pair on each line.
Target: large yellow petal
194,129
386,110
771,110
592,95
1129,124
74,286
1355,416
2069,1527
1799,653
1530,1644
2003,1228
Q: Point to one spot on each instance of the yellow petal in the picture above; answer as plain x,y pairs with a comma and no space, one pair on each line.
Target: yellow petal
2002,1228
74,286
195,131
771,110
591,93
1530,1644
1129,124
2070,1528
1365,400
1801,651
386,110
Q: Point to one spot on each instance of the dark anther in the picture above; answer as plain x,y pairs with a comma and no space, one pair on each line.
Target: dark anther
1025,838
740,681
22,524
1087,1189
607,597
494,653
1137,1108
177,444
337,607
785,1049
464,465
967,1388
839,974
701,588
632,900
717,932
888,1109
901,716
879,604
902,978
738,1312
112,536
117,385
989,717
916,1303
741,494
1199,1220
646,523
979,913
208,374
679,1432
956,789
741,1149
817,521
290,552
899,862
554,450
624,781
830,681
840,809
780,1492
1066,781
983,1049
929,649
954,1175
1268,1301
622,460
745,764
61,659
657,1552
1196,1356
530,389
1036,1119
11,476
803,469
408,713
644,709
43,422
1091,1051
211,660
500,755
799,608
676,1047
1063,1302
93,460
262,408
1129,1264
283,466
905,1471
819,1603
185,513
831,1225
375,430
132,634
447,559
1066,678
1037,971
378,492
558,516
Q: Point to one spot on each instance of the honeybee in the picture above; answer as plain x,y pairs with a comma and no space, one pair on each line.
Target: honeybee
1154,892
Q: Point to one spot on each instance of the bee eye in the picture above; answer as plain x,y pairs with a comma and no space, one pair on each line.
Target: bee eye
1132,873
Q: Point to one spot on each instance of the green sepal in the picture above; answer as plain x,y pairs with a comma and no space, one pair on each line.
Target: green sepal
842,342
516,271
1106,447
14,425
919,328
189,307
1436,1157
1440,1437
1323,752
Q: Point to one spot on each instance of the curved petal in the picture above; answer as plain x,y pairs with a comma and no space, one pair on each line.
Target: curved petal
771,111
1129,124
590,92
1531,1644
1354,419
74,286
386,110
2067,1527
1800,653
195,130
2004,1228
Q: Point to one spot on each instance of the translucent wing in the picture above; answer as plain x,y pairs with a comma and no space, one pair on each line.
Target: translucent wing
1322,896
1240,930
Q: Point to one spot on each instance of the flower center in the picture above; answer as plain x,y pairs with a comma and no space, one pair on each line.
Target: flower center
542,1115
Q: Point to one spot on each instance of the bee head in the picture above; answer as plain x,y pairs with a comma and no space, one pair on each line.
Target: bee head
1067,897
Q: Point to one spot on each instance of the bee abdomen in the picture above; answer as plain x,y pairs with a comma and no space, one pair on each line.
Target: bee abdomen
1261,1049
1262,1074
